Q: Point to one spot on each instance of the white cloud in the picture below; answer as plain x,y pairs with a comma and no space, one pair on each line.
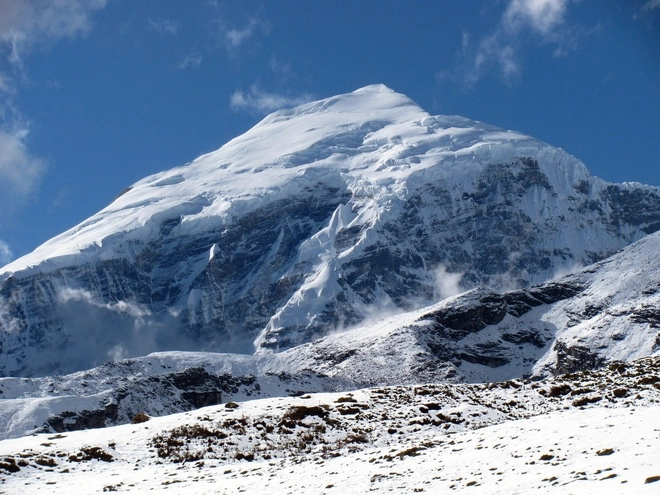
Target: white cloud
493,51
53,18
191,61
236,37
647,11
651,5
8,322
523,21
118,352
233,34
20,172
263,102
446,284
281,70
28,22
68,294
542,16
6,254
164,26
6,85
25,22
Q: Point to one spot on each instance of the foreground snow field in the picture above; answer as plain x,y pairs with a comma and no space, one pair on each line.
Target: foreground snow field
506,459
591,432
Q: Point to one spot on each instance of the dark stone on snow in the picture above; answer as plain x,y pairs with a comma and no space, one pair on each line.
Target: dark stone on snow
576,358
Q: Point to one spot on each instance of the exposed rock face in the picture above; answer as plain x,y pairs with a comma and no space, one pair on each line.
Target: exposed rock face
118,392
178,391
472,313
314,220
576,358
603,314
81,420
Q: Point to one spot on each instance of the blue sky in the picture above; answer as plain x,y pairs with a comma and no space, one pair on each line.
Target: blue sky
97,94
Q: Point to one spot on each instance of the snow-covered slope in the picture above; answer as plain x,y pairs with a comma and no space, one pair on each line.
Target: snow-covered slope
605,313
590,432
315,220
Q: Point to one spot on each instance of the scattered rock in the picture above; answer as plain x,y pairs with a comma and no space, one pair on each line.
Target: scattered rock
140,417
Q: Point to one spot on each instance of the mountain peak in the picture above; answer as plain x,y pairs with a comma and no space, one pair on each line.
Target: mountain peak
385,93
374,88
373,102
309,222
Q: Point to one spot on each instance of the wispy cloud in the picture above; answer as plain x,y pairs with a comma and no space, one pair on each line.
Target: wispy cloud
20,172
164,26
447,284
29,21
236,35
24,24
651,5
6,254
282,70
68,294
542,16
260,101
523,21
647,12
192,61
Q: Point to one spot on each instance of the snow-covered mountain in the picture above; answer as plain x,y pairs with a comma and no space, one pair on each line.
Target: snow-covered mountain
318,219
349,243
606,313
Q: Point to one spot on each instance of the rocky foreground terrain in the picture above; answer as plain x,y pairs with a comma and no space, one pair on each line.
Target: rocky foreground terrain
577,433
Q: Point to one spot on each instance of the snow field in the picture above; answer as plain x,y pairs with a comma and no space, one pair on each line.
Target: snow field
583,433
